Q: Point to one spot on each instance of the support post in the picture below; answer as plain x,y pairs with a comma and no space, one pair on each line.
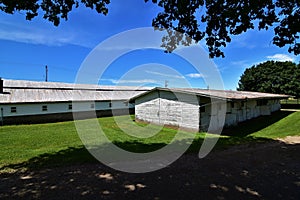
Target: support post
1,86
2,119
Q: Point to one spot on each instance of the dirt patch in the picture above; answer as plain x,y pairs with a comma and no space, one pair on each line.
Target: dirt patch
291,140
254,171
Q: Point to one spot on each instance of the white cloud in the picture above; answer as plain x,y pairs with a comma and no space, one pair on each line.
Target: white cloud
245,63
44,35
138,81
164,74
34,38
195,75
134,81
240,62
281,57
132,40
244,40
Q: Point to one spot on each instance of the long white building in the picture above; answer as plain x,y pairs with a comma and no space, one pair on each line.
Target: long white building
36,102
32,101
192,108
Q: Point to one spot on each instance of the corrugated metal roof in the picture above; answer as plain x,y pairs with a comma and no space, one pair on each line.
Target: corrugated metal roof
221,94
230,94
65,86
19,91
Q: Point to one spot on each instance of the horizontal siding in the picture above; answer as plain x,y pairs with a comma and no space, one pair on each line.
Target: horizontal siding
58,117
168,112
52,108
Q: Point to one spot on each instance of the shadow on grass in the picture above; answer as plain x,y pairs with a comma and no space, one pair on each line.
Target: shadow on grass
256,124
69,156
240,134
80,155
246,173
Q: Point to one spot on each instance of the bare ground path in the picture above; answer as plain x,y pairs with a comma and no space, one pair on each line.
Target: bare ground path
268,170
291,110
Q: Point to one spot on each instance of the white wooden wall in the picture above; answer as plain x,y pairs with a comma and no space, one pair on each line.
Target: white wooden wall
164,108
63,107
167,108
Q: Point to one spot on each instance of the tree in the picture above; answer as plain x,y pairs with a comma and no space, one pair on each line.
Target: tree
272,77
216,21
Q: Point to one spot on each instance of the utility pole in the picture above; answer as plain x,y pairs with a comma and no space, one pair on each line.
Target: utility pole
46,73
166,83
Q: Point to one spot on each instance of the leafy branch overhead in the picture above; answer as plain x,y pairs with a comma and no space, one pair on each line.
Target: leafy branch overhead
214,21
217,20
53,10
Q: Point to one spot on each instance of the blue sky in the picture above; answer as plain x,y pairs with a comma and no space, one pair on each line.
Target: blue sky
27,46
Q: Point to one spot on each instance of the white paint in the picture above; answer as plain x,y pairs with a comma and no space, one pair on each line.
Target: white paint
162,108
61,107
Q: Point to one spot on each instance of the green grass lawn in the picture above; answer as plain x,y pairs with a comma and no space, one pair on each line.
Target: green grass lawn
55,144
290,101
288,126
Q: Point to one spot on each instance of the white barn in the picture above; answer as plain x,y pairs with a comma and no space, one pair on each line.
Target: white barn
36,102
32,101
192,108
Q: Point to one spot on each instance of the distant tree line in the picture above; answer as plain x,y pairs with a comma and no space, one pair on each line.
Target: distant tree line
272,77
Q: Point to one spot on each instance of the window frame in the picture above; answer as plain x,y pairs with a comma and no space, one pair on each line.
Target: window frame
92,106
13,109
44,108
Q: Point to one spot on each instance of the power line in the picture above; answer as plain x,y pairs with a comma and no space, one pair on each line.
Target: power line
35,64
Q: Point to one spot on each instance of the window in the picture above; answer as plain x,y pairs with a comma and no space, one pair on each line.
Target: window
44,108
126,103
70,107
13,109
92,106
109,105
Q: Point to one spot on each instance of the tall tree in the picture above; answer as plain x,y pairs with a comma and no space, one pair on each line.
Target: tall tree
213,20
272,77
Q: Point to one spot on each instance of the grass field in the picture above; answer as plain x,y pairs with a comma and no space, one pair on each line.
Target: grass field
55,144
290,101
